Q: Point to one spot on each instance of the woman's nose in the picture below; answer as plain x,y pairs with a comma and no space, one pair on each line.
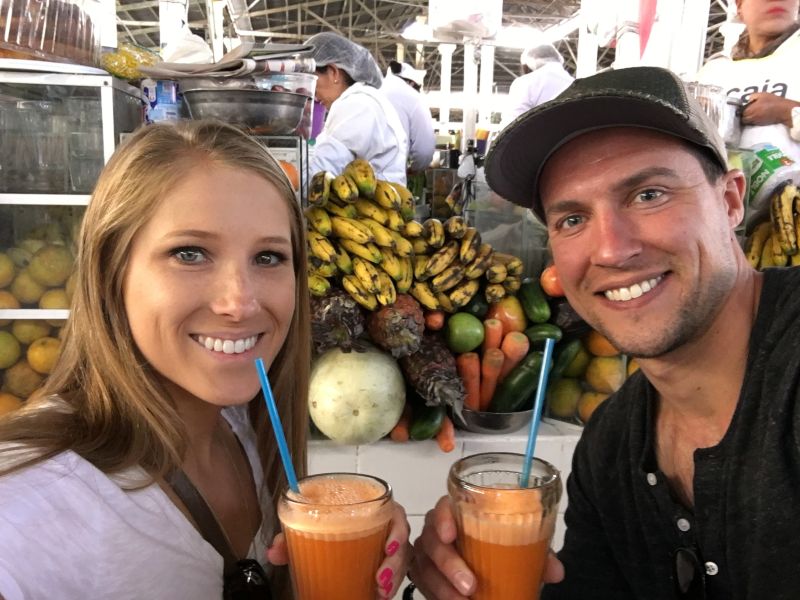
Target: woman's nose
235,294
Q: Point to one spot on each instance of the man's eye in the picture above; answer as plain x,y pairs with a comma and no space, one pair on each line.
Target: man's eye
190,255
649,195
570,222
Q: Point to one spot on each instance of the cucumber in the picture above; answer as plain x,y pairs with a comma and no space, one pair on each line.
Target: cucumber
565,355
515,390
426,421
542,331
477,306
533,301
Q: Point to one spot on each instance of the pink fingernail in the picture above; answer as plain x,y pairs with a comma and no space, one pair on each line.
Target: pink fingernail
392,548
387,587
386,575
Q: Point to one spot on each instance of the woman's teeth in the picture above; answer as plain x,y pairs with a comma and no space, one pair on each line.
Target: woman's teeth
227,346
634,291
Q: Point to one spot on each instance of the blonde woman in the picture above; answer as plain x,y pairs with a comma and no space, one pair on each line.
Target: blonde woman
191,263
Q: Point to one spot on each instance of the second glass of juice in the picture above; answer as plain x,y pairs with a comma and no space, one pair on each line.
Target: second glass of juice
504,530
336,531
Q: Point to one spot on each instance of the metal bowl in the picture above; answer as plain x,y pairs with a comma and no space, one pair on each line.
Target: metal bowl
491,422
261,112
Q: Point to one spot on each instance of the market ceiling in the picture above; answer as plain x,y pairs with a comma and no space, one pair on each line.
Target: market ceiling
377,24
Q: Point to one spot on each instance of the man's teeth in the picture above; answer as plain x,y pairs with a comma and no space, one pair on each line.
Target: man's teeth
634,291
227,346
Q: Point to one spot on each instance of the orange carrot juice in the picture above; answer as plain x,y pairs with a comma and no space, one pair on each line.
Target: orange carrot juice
504,531
336,531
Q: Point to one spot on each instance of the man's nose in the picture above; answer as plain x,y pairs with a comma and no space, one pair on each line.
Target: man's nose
616,239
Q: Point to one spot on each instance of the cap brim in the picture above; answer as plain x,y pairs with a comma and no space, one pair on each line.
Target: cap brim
515,161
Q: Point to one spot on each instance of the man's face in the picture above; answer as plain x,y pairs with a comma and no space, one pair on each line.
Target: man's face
643,243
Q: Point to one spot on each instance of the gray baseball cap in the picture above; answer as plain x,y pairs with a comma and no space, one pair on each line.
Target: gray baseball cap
646,97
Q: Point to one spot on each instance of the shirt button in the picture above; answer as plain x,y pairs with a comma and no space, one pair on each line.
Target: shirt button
684,525
711,568
652,479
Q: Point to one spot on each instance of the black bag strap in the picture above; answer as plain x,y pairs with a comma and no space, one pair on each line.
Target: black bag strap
210,528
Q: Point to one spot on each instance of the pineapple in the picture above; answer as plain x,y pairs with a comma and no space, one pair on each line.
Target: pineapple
431,371
398,327
337,321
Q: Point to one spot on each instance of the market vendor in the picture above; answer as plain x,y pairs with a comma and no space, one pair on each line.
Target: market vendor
762,71
361,122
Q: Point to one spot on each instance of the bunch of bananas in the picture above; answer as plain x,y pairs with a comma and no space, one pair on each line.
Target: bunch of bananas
774,243
361,235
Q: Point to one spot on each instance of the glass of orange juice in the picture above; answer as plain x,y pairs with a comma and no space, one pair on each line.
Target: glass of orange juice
336,531
504,530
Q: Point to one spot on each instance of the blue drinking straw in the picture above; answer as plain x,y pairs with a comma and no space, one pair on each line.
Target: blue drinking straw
277,427
537,411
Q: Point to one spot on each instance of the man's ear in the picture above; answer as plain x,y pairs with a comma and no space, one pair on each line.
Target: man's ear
735,186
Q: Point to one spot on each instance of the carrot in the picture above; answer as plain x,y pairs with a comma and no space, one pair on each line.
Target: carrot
434,320
469,367
491,365
399,432
492,334
446,438
515,346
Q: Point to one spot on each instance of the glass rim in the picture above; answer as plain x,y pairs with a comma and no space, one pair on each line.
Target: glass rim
301,501
553,477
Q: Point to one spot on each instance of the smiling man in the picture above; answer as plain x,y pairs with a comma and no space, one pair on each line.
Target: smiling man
685,484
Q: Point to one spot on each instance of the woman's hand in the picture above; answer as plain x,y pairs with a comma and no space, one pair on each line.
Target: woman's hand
278,553
394,567
763,108
438,570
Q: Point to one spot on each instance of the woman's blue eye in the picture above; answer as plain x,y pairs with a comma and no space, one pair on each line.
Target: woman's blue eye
189,255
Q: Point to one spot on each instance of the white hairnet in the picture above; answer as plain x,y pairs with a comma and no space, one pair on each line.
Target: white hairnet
536,56
355,60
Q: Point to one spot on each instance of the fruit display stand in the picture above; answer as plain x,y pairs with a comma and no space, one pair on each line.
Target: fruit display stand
59,124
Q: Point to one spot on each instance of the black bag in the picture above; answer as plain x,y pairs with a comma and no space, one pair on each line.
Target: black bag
243,579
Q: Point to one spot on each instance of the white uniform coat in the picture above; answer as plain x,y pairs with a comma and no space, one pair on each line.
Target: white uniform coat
362,123
415,118
534,88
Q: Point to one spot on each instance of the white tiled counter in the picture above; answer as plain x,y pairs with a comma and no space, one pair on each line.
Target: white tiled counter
417,471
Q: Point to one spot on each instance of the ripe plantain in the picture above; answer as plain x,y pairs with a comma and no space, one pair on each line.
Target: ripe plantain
755,243
386,294
345,188
352,286
469,245
420,246
367,208
383,236
407,208
392,264
368,251
445,303
396,222
455,227
441,259
781,209
351,229
424,295
420,261
413,229
402,246
318,285
433,232
464,292
496,273
367,274
494,292
448,278
480,263
319,219
387,197
321,247
319,189
363,175
342,259
404,283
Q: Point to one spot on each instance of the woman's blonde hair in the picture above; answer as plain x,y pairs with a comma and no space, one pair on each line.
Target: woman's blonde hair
102,399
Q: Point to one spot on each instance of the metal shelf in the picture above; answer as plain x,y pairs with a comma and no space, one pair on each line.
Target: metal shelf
34,313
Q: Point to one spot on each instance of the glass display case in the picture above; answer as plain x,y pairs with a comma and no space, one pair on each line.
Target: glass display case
57,130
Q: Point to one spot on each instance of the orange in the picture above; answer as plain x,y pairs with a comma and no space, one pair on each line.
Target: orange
633,366
588,402
8,402
599,345
291,172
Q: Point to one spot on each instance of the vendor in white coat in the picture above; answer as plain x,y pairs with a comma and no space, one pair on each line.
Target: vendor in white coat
361,122
544,78
401,86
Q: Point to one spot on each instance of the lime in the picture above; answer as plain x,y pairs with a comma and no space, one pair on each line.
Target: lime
9,350
463,332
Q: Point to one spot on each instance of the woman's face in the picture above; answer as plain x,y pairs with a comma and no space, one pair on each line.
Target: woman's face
330,85
210,283
768,18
